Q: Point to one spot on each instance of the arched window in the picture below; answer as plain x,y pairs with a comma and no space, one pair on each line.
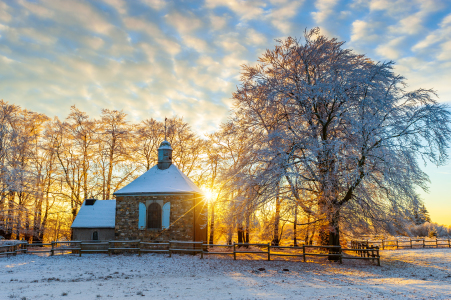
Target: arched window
95,236
154,216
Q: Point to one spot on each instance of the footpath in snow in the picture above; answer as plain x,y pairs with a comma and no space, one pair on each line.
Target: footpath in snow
411,274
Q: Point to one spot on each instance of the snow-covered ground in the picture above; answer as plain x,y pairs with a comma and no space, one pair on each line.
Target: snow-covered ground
411,274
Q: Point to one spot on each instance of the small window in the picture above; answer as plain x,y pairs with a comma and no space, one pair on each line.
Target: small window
95,236
154,216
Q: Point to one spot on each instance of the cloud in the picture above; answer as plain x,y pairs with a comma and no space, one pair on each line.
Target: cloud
281,17
94,42
231,42
445,51
256,38
217,22
409,25
392,7
154,32
363,31
162,59
196,43
119,5
155,4
247,10
413,23
4,15
183,23
443,33
72,12
325,9
37,10
391,49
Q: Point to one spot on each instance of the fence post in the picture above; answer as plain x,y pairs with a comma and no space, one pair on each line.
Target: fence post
436,243
397,245
81,248
202,250
423,243
303,252
411,243
378,257
51,250
382,244
234,251
269,253
170,249
341,255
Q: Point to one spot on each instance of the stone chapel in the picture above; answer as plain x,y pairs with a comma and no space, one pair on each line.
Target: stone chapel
161,204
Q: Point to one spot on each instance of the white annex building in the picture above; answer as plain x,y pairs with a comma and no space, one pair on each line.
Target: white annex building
95,220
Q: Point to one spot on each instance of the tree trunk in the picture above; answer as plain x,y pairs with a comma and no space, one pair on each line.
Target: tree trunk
229,235
307,231
212,223
330,233
240,234
2,214
110,168
275,239
246,230
44,220
295,242
9,216
85,172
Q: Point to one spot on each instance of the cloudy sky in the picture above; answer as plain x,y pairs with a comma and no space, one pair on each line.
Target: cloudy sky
155,58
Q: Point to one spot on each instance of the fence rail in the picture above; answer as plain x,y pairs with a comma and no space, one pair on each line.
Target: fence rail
406,243
169,247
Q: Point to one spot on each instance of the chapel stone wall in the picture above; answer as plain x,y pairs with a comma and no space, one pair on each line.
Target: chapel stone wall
181,217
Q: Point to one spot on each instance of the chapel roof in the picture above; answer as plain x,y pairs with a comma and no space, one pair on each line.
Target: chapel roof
155,180
100,214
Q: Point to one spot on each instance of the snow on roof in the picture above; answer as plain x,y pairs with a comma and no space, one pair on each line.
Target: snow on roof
165,145
170,180
100,215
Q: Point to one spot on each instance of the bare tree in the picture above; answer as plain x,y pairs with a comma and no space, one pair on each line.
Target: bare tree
115,139
82,131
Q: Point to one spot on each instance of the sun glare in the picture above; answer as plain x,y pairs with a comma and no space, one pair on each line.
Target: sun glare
209,195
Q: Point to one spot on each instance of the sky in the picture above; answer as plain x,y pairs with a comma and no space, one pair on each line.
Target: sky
155,58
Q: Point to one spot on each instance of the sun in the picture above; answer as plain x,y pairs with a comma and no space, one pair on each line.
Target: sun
209,195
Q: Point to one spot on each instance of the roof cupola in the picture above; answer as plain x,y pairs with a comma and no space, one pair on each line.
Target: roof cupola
164,155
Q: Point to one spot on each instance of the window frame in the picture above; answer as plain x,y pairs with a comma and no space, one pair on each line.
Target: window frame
159,214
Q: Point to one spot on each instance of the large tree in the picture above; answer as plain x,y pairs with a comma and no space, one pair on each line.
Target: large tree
338,132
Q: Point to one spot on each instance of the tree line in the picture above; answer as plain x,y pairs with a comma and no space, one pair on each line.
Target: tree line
321,141
49,166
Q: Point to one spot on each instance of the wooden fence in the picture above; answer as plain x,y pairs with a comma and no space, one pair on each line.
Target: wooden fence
405,243
362,250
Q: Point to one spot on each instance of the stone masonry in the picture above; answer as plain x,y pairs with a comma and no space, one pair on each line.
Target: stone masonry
182,216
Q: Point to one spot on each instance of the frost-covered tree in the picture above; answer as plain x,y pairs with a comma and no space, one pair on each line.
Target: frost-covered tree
339,132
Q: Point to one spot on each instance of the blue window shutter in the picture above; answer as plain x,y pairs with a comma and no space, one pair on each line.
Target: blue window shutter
166,215
142,216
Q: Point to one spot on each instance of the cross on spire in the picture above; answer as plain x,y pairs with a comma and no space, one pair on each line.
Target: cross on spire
165,128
